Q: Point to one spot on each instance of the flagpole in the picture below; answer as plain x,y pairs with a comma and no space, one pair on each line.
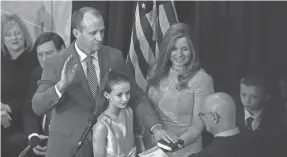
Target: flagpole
172,3
154,10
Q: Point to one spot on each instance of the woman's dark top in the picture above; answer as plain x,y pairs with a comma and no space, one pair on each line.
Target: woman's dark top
14,81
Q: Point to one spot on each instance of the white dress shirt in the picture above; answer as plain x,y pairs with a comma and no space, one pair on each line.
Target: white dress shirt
256,121
227,133
82,57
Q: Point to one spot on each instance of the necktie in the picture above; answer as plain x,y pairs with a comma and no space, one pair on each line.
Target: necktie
92,78
249,121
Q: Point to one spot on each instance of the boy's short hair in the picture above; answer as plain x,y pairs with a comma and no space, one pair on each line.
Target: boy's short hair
257,80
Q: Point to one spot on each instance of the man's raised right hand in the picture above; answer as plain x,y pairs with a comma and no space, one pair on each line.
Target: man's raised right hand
67,74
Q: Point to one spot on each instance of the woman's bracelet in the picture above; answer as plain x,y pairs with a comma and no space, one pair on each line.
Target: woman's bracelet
180,142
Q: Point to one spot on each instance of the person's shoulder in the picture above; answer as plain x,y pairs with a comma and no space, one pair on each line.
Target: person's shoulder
110,49
201,77
104,119
100,129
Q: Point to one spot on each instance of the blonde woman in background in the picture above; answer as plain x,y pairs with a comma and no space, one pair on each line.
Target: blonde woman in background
17,62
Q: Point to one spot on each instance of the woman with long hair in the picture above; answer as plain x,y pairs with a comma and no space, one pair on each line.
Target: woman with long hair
176,86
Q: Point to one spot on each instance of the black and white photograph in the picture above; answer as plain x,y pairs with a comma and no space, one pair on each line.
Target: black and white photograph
143,78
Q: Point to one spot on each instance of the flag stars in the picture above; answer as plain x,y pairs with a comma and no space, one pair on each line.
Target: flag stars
143,5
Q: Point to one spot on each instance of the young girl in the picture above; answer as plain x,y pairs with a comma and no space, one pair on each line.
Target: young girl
113,133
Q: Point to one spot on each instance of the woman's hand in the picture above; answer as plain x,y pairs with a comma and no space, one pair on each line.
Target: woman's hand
160,133
5,117
5,107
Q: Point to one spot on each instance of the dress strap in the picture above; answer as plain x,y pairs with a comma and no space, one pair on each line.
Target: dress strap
107,120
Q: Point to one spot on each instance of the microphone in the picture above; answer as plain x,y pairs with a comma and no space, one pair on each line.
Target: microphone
90,125
33,142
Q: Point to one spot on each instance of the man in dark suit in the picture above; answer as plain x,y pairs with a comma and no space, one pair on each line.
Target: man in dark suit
219,116
46,45
70,84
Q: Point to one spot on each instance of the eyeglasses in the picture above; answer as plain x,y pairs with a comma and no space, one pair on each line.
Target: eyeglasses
15,34
202,115
9,36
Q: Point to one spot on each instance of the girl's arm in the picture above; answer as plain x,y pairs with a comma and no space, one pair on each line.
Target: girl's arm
100,133
196,128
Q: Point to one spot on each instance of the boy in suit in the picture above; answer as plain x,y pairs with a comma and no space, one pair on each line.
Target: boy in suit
254,98
259,117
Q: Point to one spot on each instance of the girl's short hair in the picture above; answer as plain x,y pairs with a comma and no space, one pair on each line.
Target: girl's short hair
255,79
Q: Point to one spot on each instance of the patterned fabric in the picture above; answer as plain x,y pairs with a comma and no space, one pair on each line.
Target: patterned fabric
92,78
120,138
176,107
249,123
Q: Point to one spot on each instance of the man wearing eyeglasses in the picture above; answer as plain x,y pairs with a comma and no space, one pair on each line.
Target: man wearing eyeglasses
219,115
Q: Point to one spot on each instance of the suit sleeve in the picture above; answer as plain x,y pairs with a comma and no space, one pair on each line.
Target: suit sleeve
142,107
46,97
31,122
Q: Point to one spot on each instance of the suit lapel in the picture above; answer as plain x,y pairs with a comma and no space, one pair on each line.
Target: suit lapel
103,62
79,86
103,65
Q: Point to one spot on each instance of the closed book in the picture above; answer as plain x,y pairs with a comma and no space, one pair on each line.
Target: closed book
166,146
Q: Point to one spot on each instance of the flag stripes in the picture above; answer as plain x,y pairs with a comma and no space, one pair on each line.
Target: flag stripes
150,23
148,32
169,10
142,62
140,35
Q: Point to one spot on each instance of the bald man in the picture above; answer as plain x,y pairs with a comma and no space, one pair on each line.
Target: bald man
219,115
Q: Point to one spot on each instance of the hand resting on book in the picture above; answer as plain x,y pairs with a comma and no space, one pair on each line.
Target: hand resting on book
171,147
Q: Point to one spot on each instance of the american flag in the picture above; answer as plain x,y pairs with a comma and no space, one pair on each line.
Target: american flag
151,21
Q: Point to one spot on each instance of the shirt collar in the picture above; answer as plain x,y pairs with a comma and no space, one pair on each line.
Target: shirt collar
82,55
228,133
256,117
